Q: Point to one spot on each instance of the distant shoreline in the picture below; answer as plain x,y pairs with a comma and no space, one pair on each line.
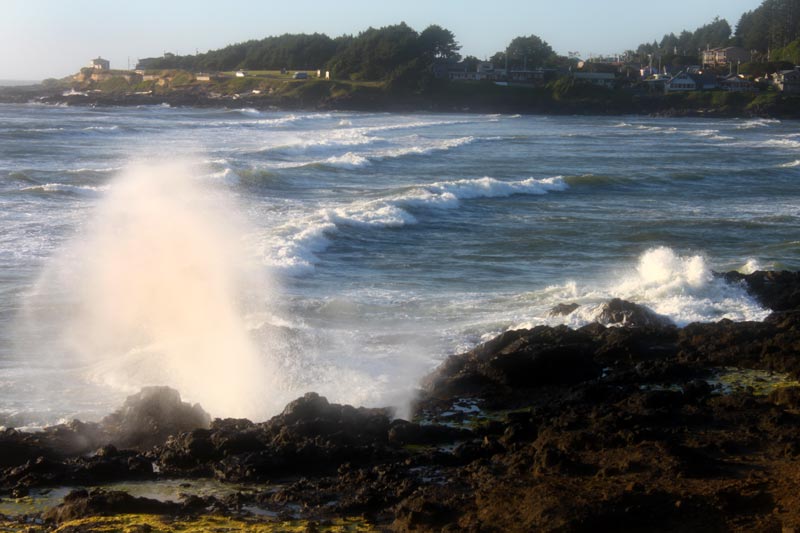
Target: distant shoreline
451,98
18,83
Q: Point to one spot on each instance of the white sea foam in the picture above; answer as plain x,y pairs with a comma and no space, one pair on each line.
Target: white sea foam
449,193
295,246
750,266
250,111
227,175
791,164
101,128
423,124
757,123
348,160
291,119
355,160
713,135
682,288
704,133
82,190
781,143
658,129
434,146
327,140
83,170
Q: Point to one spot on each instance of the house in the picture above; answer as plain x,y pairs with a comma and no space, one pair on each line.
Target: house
654,85
787,81
460,71
99,63
600,79
730,55
690,81
202,76
534,76
736,83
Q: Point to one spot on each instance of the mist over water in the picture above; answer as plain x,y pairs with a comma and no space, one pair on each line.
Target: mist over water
154,291
350,253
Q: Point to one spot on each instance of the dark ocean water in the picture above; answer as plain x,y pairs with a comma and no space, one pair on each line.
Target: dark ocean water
246,257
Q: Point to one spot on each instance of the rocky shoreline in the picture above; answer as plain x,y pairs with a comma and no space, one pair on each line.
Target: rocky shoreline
443,100
630,426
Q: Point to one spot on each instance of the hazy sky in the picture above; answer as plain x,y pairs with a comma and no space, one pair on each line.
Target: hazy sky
54,38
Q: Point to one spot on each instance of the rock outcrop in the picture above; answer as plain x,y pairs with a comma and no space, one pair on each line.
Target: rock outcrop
638,426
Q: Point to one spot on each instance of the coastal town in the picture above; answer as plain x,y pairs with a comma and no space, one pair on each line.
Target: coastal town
745,69
717,71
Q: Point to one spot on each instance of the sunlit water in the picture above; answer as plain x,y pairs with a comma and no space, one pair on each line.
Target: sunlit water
247,257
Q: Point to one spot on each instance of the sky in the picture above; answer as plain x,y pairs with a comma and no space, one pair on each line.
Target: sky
55,38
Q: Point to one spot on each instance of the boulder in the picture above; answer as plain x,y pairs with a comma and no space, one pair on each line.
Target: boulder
517,360
629,314
562,309
776,290
148,418
81,503
786,396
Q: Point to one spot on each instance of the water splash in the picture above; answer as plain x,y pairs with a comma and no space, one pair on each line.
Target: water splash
154,291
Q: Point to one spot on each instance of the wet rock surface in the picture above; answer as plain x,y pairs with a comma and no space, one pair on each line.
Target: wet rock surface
640,426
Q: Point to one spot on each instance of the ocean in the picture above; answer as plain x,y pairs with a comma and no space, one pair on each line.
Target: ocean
246,257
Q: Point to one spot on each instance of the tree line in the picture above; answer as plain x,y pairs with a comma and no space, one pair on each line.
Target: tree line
395,53
374,54
770,32
401,56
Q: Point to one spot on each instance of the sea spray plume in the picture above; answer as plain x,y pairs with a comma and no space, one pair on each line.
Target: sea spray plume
154,292
680,287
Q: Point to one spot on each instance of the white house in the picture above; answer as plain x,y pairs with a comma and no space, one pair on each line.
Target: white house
736,83
601,79
689,81
99,63
726,56
683,81
787,81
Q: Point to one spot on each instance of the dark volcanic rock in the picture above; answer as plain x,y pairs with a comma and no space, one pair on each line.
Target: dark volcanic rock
603,428
630,314
310,435
146,419
778,291
562,309
81,504
17,448
517,359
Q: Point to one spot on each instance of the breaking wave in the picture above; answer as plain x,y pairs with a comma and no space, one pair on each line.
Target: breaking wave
682,288
295,246
757,123
81,190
